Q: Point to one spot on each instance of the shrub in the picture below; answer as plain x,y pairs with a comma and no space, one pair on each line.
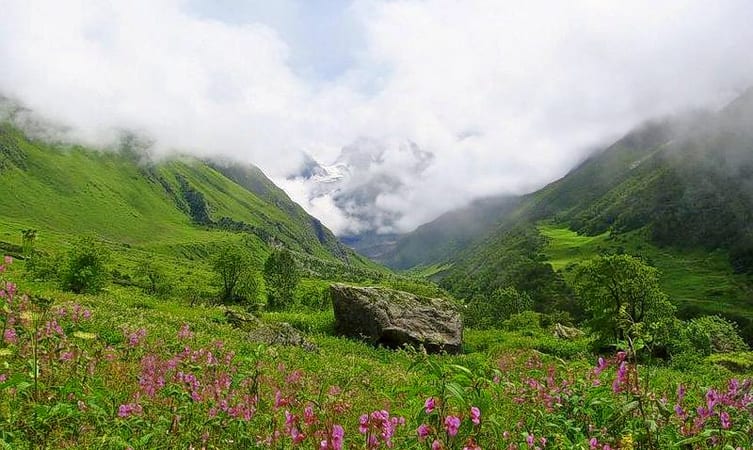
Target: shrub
525,321
281,276
85,269
43,266
153,278
713,334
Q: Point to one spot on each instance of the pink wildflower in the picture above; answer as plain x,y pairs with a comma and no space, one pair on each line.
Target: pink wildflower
436,445
451,424
429,405
475,415
423,431
10,336
337,437
724,419
185,332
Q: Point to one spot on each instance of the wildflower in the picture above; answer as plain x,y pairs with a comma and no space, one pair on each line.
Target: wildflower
680,392
185,332
66,356
429,405
593,443
436,445
8,260
475,415
423,431
308,415
601,364
3,377
297,436
10,336
337,437
451,424
530,440
129,409
724,419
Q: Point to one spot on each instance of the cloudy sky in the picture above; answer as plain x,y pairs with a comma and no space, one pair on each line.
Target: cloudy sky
506,95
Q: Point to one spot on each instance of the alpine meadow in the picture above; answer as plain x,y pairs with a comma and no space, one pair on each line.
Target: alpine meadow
366,224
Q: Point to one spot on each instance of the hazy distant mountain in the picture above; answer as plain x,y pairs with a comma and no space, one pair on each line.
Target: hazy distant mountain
362,172
438,241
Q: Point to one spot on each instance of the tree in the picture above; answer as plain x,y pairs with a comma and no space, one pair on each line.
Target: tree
85,268
611,288
233,266
281,277
490,312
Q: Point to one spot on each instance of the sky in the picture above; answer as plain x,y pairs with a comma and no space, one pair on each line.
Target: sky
505,96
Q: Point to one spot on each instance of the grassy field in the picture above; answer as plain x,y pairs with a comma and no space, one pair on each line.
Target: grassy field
129,370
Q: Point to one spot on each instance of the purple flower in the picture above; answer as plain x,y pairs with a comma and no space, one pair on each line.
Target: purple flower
337,437
423,431
475,415
451,424
10,336
724,419
429,404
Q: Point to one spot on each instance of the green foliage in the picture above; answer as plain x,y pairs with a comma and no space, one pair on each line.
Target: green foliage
525,321
84,269
153,277
741,362
281,276
483,313
713,334
614,287
516,261
28,238
43,266
233,267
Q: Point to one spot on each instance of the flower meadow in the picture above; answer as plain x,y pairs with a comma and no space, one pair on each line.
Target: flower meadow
87,375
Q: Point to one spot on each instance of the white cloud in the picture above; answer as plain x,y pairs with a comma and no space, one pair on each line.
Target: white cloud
506,95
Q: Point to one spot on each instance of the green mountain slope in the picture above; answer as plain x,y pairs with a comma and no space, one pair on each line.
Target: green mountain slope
677,192
439,240
168,205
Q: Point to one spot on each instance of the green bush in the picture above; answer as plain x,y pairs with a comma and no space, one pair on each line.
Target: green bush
525,321
84,270
43,266
713,334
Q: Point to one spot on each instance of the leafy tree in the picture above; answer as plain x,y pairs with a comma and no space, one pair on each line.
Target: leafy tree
614,287
281,277
84,270
233,267
489,312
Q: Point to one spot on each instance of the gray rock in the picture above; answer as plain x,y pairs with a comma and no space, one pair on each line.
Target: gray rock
393,318
568,333
268,333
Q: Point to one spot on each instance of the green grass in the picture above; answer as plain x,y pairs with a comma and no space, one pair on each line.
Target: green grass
694,279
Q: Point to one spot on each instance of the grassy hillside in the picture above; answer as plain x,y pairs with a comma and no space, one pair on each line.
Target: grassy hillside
164,206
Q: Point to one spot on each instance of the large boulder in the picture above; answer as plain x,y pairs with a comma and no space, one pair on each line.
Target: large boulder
394,318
